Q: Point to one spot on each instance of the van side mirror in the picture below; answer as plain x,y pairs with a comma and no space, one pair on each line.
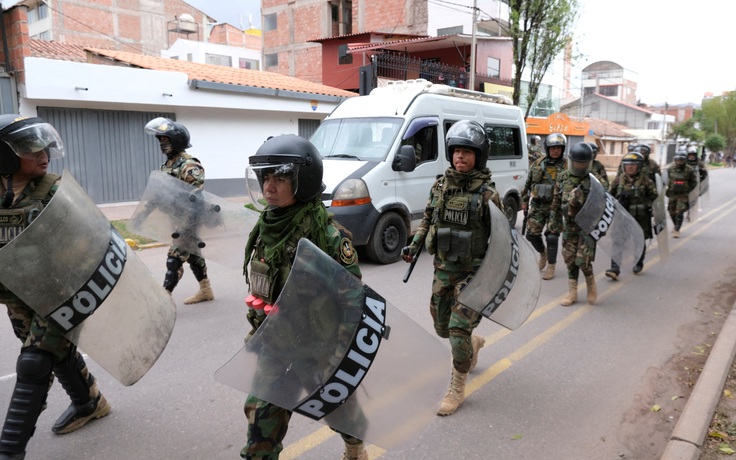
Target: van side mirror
405,160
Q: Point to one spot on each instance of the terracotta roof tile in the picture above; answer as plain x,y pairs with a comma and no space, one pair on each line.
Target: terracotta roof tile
605,128
221,74
58,50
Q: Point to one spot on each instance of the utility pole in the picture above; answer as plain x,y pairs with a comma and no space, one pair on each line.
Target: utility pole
471,80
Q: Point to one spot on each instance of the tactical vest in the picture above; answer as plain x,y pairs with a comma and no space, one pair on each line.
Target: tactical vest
678,180
630,195
570,183
458,234
544,176
14,220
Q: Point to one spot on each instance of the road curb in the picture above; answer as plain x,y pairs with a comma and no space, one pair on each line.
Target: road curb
692,426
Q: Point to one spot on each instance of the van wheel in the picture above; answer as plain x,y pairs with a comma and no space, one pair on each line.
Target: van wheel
388,239
511,207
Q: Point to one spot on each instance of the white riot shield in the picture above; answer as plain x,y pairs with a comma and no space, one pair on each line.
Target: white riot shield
611,226
335,351
73,268
659,220
193,220
704,192
693,200
506,287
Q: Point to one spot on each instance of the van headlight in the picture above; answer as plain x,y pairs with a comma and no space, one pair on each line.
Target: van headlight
352,192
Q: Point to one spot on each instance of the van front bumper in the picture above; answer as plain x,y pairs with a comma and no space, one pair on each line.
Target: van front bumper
360,220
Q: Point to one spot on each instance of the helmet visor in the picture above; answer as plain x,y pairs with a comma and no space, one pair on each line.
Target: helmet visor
579,168
158,126
470,132
29,140
272,185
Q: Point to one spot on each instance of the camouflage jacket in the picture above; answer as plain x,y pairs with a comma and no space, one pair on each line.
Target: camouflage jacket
635,193
599,171
681,180
569,197
186,168
541,173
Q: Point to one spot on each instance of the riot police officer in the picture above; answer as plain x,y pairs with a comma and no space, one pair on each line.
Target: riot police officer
455,228
636,192
682,179
697,164
535,148
578,248
26,146
288,169
650,167
173,140
537,195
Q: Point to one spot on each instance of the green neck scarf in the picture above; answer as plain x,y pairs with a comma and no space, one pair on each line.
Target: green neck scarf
456,181
278,226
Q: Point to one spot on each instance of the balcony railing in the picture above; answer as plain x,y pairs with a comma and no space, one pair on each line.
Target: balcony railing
401,67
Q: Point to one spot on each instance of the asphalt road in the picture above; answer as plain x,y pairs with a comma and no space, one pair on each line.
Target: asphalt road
571,383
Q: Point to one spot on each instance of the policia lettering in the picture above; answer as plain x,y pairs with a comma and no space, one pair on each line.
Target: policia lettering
508,283
358,359
600,230
93,293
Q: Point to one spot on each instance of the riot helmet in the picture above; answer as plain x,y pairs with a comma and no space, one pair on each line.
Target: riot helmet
285,157
633,158
581,158
643,149
536,140
177,134
692,155
470,135
594,146
26,137
680,157
555,140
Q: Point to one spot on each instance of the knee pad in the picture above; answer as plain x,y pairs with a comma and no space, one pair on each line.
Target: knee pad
552,239
173,273
34,366
173,264
198,267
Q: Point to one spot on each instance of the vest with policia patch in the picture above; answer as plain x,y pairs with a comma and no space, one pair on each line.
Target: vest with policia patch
34,197
458,235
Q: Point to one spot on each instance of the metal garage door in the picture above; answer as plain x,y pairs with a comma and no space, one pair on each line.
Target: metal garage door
107,152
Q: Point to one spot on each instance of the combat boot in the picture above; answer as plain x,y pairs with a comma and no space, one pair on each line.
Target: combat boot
550,273
572,294
591,288
455,394
542,259
204,294
355,452
614,271
87,401
675,233
478,342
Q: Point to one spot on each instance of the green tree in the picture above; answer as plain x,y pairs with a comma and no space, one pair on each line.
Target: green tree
540,30
715,142
720,112
686,130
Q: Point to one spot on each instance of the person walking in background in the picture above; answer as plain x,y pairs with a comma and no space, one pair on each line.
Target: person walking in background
173,140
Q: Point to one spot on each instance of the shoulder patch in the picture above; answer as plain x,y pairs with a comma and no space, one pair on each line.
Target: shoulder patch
347,252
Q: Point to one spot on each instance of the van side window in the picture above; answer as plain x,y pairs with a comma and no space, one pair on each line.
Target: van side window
425,144
505,141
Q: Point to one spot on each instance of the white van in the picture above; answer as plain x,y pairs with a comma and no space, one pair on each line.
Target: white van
382,153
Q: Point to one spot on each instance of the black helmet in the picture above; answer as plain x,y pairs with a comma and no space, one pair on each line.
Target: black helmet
634,158
680,157
468,134
176,132
555,140
287,155
643,149
580,153
594,146
24,137
536,140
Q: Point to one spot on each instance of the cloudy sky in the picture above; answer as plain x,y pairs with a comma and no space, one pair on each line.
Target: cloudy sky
675,49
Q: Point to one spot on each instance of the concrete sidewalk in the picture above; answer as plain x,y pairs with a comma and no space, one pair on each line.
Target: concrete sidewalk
692,426
120,211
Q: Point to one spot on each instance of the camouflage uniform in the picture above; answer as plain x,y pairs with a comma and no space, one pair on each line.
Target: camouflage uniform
578,248
187,168
599,171
469,194
270,252
636,194
535,152
44,341
537,194
681,180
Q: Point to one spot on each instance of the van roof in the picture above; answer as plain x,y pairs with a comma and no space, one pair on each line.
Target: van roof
415,87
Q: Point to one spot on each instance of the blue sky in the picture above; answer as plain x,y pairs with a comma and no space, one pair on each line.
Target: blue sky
234,12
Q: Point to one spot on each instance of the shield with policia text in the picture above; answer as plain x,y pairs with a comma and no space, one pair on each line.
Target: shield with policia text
334,350
73,268
659,220
177,213
613,229
506,287
693,199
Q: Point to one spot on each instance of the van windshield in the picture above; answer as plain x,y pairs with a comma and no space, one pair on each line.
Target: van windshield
367,139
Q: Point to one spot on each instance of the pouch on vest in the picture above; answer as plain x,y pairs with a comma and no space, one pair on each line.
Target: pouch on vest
460,245
262,279
444,237
543,191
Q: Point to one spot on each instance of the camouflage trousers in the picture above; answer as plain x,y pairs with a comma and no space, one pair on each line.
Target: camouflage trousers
35,332
196,263
677,205
267,425
451,319
537,218
578,252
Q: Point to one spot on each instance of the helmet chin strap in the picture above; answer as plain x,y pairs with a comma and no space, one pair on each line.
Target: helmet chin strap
9,195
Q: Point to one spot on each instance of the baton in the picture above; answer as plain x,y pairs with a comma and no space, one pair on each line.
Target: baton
413,262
